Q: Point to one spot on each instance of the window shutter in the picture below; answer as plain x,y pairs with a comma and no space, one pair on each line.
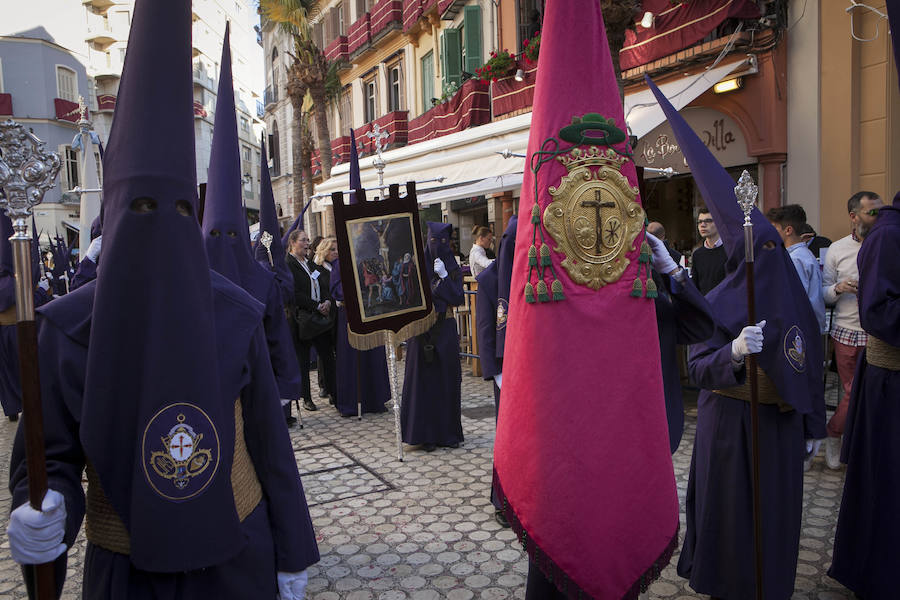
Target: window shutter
451,57
472,27
345,12
360,8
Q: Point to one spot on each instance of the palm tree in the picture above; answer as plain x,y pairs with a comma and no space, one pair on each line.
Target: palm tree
619,16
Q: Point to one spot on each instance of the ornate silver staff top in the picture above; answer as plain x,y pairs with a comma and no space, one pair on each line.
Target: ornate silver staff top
27,170
266,240
745,192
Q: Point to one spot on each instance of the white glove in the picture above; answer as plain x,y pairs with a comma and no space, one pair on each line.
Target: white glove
498,379
44,284
35,536
750,341
292,586
439,269
812,448
93,251
662,260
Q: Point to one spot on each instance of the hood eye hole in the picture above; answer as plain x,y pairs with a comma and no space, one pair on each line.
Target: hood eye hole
184,208
231,234
143,205
770,245
214,233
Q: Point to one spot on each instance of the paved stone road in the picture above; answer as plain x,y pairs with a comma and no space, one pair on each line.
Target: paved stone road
424,529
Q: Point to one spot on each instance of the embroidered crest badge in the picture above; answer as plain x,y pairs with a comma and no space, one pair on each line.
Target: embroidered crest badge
795,349
594,217
180,451
502,311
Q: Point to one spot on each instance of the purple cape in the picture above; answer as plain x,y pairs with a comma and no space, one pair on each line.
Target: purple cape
157,377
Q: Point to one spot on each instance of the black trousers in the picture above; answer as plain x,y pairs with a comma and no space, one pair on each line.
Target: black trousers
324,345
539,587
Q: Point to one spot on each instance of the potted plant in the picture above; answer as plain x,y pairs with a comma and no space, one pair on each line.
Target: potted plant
500,64
532,48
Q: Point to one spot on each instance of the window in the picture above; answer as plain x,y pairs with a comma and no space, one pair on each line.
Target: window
344,113
245,125
427,80
395,86
451,59
319,34
69,171
344,9
245,153
66,84
528,19
370,94
471,38
275,151
122,20
1,75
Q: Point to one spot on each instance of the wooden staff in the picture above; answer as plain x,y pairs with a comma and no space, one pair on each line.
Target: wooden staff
29,171
746,192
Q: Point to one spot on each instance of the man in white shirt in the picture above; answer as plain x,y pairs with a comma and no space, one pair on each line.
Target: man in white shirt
839,286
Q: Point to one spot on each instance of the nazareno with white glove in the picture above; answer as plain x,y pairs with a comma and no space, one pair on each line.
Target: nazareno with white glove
750,341
440,269
662,260
36,536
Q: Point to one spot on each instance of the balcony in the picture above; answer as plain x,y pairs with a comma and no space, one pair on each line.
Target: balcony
395,123
510,96
387,16
337,49
6,105
358,36
270,95
448,9
100,5
203,77
100,34
199,110
260,109
106,102
469,107
66,110
412,10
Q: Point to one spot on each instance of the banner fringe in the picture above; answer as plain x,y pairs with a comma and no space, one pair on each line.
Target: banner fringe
376,339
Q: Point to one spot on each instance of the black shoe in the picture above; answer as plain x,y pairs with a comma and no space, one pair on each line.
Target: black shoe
453,445
501,518
291,421
308,405
429,447
331,399
13,418
323,393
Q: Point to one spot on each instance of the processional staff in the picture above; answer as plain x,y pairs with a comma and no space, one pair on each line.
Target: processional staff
27,171
746,192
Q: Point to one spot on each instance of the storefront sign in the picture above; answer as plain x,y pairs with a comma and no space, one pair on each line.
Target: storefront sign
722,136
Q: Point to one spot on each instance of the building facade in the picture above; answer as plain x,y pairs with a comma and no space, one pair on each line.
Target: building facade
92,36
767,84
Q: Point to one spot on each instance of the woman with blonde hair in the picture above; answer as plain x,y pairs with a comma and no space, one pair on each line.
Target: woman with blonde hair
478,258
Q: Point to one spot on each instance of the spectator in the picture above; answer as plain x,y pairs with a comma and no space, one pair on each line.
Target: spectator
813,240
656,229
708,260
789,221
840,282
478,259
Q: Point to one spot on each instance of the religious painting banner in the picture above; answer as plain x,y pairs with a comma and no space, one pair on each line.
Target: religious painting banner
385,282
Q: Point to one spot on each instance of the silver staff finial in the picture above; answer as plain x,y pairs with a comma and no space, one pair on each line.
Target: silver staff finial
746,192
27,170
266,240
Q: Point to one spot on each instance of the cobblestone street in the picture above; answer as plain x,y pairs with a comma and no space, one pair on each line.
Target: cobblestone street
424,528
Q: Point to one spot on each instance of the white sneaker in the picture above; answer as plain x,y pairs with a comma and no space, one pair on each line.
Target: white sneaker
833,452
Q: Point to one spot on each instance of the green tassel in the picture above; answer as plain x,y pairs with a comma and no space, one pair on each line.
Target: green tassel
645,252
637,290
651,288
529,293
532,256
542,294
545,256
557,290
536,214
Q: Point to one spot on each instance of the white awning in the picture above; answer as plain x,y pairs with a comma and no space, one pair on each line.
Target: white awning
73,225
643,114
469,160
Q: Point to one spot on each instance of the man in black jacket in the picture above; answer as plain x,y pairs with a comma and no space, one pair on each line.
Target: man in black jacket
708,259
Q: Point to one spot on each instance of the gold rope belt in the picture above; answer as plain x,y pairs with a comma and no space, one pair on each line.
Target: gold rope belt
8,316
767,392
881,354
105,529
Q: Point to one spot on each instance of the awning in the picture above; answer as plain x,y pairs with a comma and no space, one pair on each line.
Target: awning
471,157
643,114
73,225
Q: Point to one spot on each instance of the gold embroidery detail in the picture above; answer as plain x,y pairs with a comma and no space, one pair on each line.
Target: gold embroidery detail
594,217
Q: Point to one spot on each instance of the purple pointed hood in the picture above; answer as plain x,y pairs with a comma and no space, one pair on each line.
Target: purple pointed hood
268,222
792,349
226,234
297,224
152,390
96,229
7,272
505,253
355,179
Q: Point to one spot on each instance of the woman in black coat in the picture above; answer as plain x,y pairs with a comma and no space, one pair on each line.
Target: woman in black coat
312,313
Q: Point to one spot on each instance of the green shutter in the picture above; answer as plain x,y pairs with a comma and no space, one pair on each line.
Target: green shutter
472,27
451,57
427,81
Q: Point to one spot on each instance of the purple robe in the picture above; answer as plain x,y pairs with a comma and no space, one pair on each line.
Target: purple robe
865,544
431,412
278,534
10,390
87,271
357,372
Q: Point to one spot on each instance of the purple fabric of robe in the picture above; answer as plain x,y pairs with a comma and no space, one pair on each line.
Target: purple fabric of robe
268,222
865,543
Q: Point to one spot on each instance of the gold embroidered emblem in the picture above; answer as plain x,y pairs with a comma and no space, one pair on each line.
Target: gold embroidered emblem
594,217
